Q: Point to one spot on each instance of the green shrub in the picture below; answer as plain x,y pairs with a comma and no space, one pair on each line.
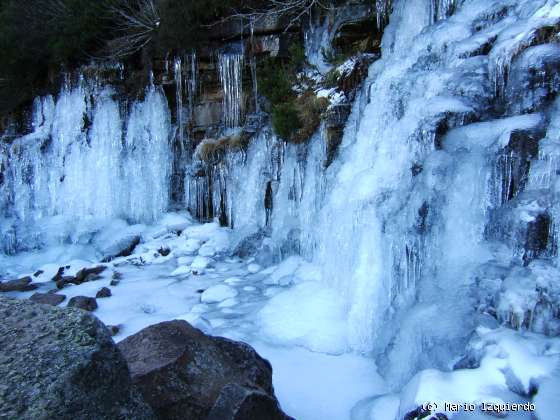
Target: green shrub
333,58
285,120
332,78
275,81
309,108
297,56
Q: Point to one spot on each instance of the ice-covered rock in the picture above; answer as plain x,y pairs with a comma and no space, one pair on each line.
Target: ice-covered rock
185,260
118,240
201,263
207,250
254,268
284,273
232,281
181,270
176,221
218,293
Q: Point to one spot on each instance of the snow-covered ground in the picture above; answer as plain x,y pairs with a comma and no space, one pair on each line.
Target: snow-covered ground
293,320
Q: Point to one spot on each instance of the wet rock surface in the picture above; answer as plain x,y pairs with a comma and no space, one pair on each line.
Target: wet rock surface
21,285
184,373
82,302
104,292
62,363
52,299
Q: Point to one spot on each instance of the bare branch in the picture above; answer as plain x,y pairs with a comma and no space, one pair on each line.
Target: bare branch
136,21
292,9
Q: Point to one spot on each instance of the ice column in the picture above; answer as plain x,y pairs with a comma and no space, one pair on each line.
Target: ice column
231,68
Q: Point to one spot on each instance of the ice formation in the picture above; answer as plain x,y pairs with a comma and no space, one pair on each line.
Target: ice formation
429,245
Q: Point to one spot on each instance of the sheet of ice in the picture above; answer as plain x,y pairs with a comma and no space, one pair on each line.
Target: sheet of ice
326,387
284,273
307,315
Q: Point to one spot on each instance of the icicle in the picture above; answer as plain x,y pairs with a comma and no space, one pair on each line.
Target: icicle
230,68
441,9
178,75
192,81
383,8
254,69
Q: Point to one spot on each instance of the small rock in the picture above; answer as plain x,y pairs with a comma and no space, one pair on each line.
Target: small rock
164,252
58,274
38,273
21,285
66,280
104,292
114,329
82,302
114,282
48,298
89,274
254,268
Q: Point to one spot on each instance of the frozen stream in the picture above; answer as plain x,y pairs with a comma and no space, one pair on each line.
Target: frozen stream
279,310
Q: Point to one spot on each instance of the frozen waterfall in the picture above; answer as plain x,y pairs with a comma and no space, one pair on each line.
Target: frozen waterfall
88,159
437,219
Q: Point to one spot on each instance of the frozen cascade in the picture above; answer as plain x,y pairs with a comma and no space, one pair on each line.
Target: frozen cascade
439,213
398,264
84,161
230,67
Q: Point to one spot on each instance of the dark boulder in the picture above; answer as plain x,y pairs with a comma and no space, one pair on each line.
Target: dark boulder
237,402
83,276
62,363
104,292
62,282
82,302
183,373
21,285
89,274
47,298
